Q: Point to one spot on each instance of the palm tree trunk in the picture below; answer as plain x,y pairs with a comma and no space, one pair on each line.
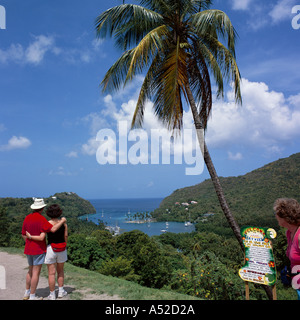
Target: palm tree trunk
220,193
215,179
212,171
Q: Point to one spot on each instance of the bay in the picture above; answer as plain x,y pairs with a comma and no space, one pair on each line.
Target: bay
113,213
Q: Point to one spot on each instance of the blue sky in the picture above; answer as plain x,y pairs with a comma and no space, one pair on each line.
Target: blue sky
51,106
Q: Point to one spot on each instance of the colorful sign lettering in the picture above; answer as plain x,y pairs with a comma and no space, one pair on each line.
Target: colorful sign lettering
259,264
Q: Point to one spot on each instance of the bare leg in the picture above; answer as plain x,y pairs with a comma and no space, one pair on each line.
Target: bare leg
28,278
60,274
51,276
35,275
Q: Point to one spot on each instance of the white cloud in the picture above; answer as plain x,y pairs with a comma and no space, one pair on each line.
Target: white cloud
237,156
61,171
16,143
36,50
2,127
153,144
90,147
282,10
97,44
294,100
266,119
150,184
14,53
264,13
72,154
240,4
95,121
33,54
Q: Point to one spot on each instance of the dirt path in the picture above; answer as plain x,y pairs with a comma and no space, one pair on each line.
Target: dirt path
16,268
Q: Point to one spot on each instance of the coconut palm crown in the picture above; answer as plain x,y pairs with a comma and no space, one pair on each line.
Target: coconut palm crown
182,45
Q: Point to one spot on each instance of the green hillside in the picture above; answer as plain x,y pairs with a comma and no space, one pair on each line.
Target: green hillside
70,202
250,196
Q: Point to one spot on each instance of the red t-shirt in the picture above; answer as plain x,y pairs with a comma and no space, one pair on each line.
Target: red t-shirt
35,224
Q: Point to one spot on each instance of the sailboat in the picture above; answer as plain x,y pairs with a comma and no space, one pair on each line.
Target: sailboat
188,223
116,229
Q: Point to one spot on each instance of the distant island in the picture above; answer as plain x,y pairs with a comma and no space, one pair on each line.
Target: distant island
71,204
141,221
139,217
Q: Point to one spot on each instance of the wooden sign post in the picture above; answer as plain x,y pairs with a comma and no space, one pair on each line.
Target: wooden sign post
259,265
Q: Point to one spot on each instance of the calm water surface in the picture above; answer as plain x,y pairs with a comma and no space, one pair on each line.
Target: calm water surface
113,212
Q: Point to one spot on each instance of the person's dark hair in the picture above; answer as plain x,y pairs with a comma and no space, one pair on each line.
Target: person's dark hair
288,209
54,211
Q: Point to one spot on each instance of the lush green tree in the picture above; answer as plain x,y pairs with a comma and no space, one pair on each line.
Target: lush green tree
152,265
4,228
15,229
147,258
127,243
85,252
119,267
209,279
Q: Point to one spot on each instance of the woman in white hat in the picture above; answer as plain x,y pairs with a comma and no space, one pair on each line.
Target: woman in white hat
35,224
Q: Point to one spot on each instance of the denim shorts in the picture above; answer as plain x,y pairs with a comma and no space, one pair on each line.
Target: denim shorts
35,260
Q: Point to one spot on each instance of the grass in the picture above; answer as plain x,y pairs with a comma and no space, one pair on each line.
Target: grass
83,280
127,290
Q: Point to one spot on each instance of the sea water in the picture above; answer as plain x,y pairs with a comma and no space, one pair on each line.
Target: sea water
114,212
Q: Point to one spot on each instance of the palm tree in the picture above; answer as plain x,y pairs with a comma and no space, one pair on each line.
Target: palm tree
184,46
179,43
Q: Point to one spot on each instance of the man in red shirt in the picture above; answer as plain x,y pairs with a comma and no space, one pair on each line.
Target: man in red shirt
35,251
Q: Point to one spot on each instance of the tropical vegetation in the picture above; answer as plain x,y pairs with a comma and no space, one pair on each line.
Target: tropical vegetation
201,264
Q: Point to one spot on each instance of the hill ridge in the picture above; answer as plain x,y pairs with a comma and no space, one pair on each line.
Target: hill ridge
71,204
250,196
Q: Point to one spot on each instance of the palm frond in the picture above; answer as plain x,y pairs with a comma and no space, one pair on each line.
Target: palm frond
145,93
117,73
227,65
200,84
170,83
160,6
190,7
215,22
155,41
128,23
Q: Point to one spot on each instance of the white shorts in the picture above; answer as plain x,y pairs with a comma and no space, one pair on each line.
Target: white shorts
55,257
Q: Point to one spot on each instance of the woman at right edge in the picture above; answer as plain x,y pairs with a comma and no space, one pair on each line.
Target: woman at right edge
287,212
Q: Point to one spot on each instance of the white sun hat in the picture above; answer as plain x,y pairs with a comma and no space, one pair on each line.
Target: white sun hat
38,204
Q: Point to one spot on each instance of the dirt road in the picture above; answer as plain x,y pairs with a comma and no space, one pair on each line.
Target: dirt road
16,267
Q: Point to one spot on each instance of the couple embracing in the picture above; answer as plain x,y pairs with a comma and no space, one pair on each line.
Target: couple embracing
35,227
